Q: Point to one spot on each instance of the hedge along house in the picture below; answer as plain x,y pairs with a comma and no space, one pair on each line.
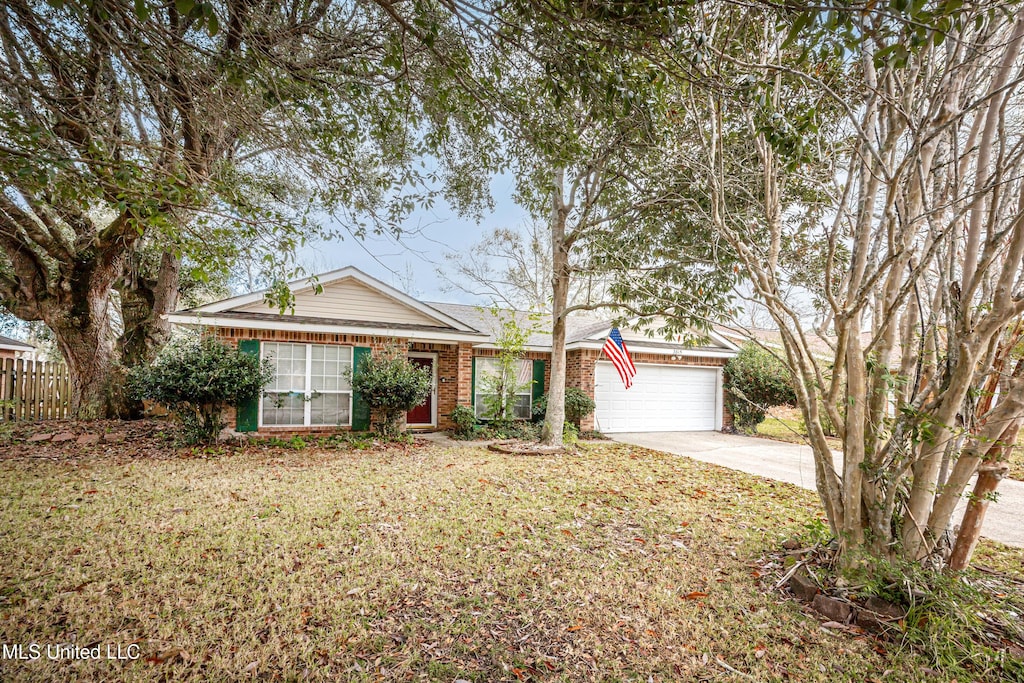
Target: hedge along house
314,344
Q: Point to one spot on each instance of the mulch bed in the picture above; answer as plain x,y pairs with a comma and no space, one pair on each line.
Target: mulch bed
843,609
517,447
73,439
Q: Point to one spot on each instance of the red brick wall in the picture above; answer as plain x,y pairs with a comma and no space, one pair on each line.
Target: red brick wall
455,369
464,378
446,356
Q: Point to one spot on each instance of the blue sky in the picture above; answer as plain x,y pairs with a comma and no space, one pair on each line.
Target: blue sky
410,263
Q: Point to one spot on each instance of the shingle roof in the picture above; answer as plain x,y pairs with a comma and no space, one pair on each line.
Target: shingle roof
822,347
539,324
8,342
579,326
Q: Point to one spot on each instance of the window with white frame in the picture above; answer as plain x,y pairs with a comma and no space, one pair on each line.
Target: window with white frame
489,367
310,385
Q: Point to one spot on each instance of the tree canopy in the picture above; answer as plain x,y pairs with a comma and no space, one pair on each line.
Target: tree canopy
870,158
139,137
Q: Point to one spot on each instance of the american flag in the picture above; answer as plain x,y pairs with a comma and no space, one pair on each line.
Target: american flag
617,353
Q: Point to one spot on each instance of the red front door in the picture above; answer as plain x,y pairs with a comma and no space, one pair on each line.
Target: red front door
423,414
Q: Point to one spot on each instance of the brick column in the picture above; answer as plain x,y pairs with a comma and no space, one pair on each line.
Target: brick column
465,375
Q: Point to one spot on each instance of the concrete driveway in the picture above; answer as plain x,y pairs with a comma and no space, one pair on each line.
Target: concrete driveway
1004,521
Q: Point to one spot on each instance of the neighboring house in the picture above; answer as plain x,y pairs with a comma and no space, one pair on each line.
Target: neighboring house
676,387
12,348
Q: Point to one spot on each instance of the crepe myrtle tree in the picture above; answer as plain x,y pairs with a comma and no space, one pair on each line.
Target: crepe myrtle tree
872,159
499,387
136,137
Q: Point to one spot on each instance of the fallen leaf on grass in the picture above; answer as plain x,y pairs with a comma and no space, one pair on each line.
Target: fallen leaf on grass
693,595
168,655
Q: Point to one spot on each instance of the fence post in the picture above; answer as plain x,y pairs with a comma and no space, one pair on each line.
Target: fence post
33,390
7,390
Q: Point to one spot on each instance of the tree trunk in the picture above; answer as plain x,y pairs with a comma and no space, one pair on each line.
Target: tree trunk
145,303
554,419
991,472
87,346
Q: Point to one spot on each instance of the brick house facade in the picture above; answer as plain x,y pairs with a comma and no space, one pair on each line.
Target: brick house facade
367,316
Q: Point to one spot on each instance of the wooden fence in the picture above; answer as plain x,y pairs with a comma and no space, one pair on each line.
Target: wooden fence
33,390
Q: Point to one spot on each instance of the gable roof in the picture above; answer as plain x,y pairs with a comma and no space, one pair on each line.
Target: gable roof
538,324
353,302
584,330
648,337
14,345
248,306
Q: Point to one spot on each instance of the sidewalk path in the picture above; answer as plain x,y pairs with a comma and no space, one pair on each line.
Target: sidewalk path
1004,521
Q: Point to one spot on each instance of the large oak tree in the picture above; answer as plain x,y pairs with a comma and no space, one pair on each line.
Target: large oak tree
136,136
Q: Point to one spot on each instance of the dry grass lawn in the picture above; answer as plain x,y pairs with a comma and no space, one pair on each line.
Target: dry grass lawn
785,424
440,564
1017,461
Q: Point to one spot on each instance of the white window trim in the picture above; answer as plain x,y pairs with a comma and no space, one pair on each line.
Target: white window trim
307,408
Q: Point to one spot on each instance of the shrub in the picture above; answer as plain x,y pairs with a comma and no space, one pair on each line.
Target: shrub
577,406
197,379
570,434
391,386
755,381
499,388
516,429
464,419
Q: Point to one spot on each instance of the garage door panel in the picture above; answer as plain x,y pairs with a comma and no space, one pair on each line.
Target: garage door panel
662,398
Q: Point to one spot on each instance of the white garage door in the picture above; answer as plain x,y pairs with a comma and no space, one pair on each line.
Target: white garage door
663,398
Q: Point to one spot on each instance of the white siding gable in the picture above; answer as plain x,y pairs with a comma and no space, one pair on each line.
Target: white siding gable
349,299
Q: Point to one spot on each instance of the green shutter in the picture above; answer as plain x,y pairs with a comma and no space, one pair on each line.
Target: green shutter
472,383
247,417
360,408
538,379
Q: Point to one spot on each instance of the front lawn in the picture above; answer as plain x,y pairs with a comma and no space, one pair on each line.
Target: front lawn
427,563
1016,461
784,423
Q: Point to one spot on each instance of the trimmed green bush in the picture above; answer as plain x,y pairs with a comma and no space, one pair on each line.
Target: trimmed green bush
464,419
197,379
392,386
577,406
755,381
